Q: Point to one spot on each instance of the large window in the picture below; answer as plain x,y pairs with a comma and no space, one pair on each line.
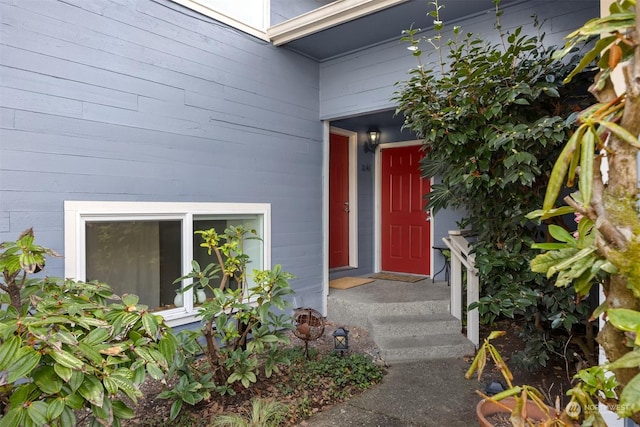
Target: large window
141,248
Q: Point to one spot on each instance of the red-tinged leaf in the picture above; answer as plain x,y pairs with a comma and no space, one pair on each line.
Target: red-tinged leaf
615,54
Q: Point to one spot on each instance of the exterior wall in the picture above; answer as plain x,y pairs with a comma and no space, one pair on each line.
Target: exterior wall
364,81
148,101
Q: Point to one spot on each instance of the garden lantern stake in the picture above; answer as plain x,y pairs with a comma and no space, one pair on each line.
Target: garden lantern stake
341,340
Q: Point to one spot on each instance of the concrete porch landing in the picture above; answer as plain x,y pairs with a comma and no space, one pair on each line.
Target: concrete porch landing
408,321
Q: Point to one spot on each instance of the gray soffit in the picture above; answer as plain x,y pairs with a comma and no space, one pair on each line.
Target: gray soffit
384,25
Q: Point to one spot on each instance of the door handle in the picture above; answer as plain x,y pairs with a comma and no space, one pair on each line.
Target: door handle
346,207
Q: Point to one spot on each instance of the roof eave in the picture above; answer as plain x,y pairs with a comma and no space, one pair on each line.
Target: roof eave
325,17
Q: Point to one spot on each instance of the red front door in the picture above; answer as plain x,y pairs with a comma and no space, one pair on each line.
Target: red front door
338,201
406,232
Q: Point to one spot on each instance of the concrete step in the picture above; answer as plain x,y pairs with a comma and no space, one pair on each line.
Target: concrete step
421,347
413,325
358,313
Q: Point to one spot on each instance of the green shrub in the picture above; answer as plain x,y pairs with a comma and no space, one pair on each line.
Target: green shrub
345,373
68,345
242,330
494,118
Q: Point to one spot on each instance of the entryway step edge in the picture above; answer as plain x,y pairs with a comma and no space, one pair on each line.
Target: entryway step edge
413,325
399,349
357,314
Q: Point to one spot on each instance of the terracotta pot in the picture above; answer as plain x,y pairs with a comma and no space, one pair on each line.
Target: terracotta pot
486,408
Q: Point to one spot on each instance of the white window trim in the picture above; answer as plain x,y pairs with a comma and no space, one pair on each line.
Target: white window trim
200,6
77,212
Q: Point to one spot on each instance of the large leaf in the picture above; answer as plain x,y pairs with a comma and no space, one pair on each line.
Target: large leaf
68,417
37,411
567,263
92,390
67,359
46,378
110,385
168,346
77,378
560,169
90,352
562,235
543,262
588,58
97,336
626,320
55,408
630,398
121,410
127,386
539,213
621,133
65,337
150,324
8,351
27,360
176,407
13,418
628,360
130,299
154,371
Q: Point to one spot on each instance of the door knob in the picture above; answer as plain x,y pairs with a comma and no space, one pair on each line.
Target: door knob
346,207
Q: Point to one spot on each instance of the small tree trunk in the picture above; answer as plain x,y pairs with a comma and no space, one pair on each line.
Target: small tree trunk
622,193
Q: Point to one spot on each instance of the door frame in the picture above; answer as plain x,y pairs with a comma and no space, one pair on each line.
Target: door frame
377,203
353,194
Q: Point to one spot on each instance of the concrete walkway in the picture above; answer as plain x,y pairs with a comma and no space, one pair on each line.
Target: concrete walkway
429,393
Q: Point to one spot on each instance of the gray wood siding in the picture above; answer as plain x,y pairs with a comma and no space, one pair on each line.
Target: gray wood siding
148,101
364,81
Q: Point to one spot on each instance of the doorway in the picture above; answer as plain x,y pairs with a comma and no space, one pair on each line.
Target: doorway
405,227
342,199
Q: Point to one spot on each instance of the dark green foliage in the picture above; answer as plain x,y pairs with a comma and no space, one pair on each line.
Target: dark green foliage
493,119
67,346
243,325
345,374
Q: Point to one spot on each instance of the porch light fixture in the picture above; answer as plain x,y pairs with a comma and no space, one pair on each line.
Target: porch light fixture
373,139
341,340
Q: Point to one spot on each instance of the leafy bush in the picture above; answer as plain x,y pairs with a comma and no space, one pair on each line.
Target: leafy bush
242,331
67,345
345,373
493,118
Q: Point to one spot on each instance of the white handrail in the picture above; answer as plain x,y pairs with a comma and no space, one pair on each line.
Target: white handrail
460,257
